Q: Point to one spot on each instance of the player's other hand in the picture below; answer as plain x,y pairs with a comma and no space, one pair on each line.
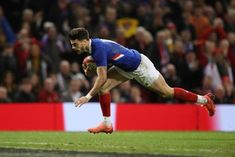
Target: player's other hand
89,69
85,68
79,102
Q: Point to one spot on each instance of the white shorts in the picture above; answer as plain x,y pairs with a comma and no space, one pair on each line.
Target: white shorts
145,74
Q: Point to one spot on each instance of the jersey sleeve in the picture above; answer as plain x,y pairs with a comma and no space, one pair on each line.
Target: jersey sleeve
100,54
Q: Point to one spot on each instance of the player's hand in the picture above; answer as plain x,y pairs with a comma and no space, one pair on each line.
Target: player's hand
85,68
79,102
89,70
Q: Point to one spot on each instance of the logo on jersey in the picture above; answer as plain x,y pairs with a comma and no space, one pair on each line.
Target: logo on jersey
117,56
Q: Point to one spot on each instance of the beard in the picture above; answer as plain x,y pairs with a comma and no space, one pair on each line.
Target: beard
85,49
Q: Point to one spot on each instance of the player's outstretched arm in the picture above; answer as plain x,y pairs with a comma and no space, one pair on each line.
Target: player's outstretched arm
102,77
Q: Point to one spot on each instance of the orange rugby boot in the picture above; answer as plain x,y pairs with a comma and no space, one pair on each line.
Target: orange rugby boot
210,106
101,128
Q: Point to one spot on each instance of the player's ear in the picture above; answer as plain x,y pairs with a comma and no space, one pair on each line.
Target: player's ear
87,40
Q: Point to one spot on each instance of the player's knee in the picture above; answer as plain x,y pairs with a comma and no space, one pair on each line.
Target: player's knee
167,93
164,95
103,91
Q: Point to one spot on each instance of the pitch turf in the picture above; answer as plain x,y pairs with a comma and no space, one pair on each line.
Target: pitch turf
214,144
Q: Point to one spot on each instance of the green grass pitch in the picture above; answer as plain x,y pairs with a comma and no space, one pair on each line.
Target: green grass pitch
214,144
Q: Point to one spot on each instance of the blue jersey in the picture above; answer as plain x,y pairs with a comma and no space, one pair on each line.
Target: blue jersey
106,52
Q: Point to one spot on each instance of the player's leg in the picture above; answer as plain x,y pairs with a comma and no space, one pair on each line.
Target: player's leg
114,79
160,86
151,78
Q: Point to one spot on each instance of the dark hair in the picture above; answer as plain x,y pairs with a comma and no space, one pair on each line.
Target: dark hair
78,33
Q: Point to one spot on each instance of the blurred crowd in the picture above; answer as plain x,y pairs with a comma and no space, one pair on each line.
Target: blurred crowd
192,43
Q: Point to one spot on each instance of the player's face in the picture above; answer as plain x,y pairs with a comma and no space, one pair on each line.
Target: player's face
80,46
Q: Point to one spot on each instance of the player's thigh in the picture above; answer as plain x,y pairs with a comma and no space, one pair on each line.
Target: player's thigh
150,77
113,80
160,86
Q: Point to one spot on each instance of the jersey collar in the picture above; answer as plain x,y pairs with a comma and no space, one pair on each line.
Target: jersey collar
90,45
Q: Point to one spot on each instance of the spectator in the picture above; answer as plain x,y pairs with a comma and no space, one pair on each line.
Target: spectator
74,91
120,36
84,82
211,68
59,14
24,93
219,9
135,95
64,76
178,59
116,96
54,45
48,93
188,7
37,25
3,95
125,91
7,60
36,85
161,56
22,48
171,27
104,32
109,22
186,37
27,18
197,18
193,71
219,94
53,76
229,92
81,18
194,36
75,68
216,32
223,63
207,86
230,20
144,43
209,12
174,14
171,77
231,52
9,83
143,15
2,39
36,63
157,22
6,28
209,51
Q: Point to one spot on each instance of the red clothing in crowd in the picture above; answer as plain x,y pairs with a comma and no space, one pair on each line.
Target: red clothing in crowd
45,96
